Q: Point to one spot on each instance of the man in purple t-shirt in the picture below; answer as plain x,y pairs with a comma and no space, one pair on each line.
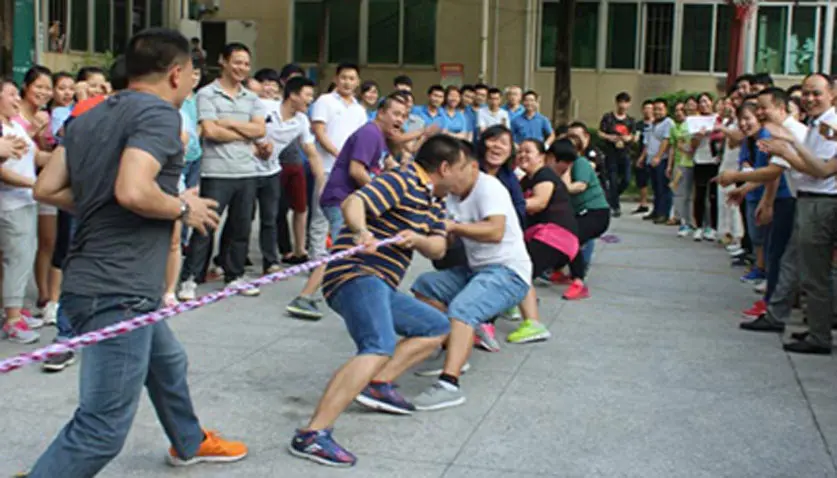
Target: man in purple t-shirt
363,156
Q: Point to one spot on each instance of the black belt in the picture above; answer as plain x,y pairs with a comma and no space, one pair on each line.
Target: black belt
806,194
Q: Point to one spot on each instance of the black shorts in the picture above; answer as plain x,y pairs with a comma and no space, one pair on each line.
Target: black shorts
642,175
62,239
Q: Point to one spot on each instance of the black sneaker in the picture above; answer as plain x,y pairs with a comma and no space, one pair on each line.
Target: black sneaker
640,210
294,260
616,213
59,362
762,324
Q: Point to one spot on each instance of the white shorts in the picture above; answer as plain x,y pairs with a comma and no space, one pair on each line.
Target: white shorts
47,210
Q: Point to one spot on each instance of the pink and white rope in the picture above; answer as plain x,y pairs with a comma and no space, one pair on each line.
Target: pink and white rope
121,328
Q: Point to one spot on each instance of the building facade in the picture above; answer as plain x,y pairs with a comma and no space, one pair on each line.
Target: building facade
643,47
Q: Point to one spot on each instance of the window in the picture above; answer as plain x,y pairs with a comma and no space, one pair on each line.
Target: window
704,39
659,32
78,25
787,40
344,31
102,34
156,13
139,17
394,31
585,34
120,26
57,23
723,19
621,36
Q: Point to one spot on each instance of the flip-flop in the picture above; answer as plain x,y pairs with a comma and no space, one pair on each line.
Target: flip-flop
610,239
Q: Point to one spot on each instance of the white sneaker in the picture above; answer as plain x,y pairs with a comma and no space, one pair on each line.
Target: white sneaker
761,287
51,313
247,291
188,290
709,234
32,322
684,231
698,235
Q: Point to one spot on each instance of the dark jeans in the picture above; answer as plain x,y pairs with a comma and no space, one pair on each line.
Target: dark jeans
591,224
706,189
192,177
619,171
780,233
239,196
267,194
283,230
66,230
112,376
663,196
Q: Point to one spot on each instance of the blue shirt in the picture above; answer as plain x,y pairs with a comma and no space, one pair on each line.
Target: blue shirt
371,114
537,127
455,123
428,118
189,111
514,113
750,156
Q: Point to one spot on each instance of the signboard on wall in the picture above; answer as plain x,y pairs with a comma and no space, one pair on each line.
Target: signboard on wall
452,74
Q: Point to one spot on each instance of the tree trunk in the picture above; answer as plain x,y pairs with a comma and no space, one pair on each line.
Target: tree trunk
322,61
561,104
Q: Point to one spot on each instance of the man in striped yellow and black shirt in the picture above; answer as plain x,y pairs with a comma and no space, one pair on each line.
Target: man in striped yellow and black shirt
363,290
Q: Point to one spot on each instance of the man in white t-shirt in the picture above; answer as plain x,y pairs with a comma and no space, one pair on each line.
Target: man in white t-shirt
498,276
493,114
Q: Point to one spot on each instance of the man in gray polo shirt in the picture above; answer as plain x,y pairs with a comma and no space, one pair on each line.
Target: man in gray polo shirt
232,120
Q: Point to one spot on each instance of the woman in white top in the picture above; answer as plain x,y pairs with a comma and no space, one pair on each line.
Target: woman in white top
730,223
18,220
706,168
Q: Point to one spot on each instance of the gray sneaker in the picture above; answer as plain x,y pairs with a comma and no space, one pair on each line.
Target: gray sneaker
439,396
304,308
435,365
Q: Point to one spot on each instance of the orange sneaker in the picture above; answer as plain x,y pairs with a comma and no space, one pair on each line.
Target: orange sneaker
214,449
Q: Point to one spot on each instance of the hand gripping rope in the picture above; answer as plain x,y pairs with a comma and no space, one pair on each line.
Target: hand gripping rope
130,325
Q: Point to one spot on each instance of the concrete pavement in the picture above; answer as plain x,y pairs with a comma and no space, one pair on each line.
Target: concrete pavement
648,378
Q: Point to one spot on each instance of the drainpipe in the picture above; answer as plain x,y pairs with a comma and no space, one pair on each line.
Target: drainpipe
496,41
527,47
484,43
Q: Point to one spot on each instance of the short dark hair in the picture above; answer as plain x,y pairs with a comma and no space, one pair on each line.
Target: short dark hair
291,69
623,97
777,96
195,40
762,79
579,124
60,75
745,77
563,150
794,88
532,93
481,86
267,74
295,85
347,66
647,102
405,94
494,91
662,101
119,74
468,148
436,87
233,47
439,149
467,88
561,129
394,97
87,71
367,85
402,80
538,144
154,51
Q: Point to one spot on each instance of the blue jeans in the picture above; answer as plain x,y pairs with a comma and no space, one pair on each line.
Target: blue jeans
65,330
383,312
784,210
112,376
663,195
335,220
473,296
758,234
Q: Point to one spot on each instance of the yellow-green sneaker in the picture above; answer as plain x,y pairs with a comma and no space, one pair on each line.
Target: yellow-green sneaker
529,331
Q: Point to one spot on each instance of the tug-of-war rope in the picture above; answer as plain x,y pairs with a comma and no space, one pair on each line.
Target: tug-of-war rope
126,326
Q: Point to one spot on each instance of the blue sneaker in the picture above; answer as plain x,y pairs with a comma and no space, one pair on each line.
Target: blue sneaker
755,275
384,398
319,447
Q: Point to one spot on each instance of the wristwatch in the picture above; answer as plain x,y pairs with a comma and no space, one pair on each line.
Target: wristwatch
184,211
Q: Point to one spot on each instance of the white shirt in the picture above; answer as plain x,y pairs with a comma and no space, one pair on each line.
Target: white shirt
487,119
283,133
799,132
729,161
822,149
11,197
488,198
341,120
703,152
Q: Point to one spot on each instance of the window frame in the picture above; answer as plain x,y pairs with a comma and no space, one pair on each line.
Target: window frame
91,20
539,36
363,39
713,44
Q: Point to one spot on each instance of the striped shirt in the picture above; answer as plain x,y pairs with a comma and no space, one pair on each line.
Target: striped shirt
395,201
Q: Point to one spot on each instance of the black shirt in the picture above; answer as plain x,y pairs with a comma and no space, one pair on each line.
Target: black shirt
558,210
610,124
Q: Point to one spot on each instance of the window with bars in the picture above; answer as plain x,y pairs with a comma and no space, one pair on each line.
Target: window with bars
659,37
704,38
393,31
790,39
114,22
585,33
57,16
622,34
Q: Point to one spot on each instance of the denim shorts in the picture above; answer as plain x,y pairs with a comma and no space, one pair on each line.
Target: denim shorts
758,234
473,296
376,314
